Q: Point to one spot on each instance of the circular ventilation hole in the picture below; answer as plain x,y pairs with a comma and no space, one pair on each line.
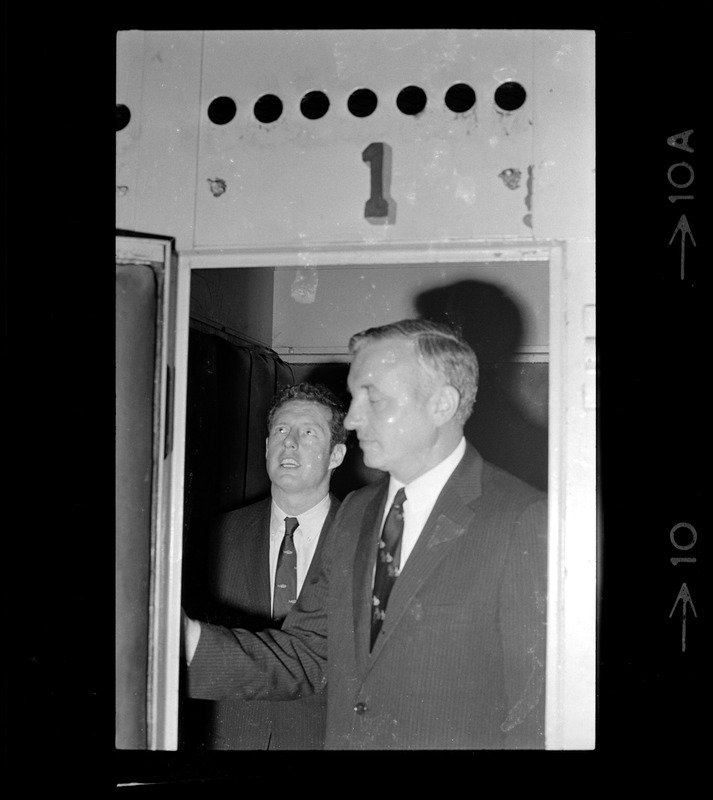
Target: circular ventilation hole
510,96
222,110
362,102
411,100
268,108
314,105
123,115
460,97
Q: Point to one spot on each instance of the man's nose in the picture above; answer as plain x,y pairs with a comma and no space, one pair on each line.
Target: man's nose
353,417
290,441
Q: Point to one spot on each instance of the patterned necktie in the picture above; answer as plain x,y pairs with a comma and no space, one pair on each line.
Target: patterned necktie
286,574
388,558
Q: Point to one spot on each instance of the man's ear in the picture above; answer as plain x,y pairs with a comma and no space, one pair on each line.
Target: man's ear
445,403
337,455
267,445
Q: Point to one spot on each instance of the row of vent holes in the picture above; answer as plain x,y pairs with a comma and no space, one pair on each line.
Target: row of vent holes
362,102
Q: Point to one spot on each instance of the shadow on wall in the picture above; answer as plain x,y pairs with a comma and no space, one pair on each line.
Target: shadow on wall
508,425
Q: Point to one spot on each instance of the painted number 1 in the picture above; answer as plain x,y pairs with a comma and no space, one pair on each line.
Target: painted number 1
377,207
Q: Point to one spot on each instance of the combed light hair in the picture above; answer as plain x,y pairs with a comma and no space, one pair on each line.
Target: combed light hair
313,393
441,351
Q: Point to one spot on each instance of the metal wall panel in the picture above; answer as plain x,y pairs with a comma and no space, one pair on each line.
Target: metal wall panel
158,77
129,86
297,180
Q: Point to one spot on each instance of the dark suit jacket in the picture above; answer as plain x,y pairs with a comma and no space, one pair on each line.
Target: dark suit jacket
459,662
241,591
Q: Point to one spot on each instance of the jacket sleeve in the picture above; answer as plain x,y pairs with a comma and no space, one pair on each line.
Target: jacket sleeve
274,664
523,606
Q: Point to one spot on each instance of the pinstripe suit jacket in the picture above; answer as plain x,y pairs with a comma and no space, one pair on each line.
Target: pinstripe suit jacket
241,591
459,662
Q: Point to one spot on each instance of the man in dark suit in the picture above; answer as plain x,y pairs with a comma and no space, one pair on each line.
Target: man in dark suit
426,622
305,443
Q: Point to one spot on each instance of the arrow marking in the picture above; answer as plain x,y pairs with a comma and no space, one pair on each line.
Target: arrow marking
685,597
685,228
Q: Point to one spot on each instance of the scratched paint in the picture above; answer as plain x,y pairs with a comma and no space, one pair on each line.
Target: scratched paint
217,186
510,177
304,286
527,219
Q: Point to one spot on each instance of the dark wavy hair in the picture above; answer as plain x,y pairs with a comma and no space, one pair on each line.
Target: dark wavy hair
314,393
440,349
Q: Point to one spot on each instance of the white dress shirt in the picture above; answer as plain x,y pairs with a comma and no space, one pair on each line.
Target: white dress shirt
305,537
421,496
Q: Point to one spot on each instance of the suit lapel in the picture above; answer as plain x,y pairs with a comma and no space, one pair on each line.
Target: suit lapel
243,558
449,519
259,556
315,563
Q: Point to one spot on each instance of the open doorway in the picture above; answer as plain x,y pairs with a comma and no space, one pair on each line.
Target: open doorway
251,329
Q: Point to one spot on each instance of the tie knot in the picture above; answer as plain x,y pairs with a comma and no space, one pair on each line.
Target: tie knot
400,498
394,523
291,523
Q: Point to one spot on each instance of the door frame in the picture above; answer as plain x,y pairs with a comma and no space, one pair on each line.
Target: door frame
572,532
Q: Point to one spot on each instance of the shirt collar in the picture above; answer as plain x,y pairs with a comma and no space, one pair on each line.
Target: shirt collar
425,489
277,517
